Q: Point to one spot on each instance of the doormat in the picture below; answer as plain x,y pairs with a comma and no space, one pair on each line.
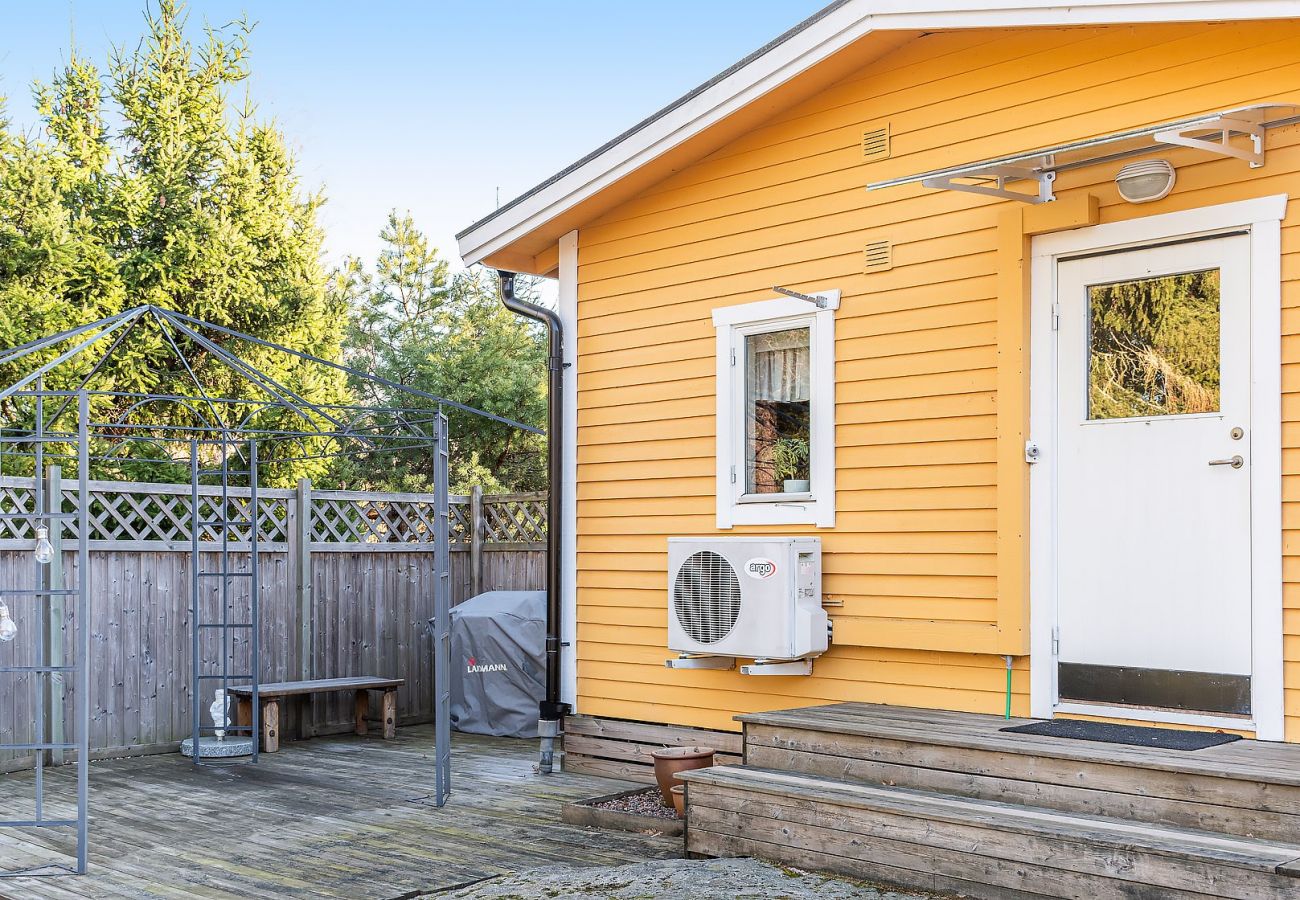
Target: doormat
1136,735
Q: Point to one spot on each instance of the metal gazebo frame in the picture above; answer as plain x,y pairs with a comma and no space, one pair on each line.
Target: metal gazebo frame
209,444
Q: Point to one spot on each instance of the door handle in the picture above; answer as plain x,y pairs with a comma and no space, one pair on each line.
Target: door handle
1235,461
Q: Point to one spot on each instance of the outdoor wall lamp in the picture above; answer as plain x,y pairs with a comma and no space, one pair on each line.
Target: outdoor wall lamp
1146,181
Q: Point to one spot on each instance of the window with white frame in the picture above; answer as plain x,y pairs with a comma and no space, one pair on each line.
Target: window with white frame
776,412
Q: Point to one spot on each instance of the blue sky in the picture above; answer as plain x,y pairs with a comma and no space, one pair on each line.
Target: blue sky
429,106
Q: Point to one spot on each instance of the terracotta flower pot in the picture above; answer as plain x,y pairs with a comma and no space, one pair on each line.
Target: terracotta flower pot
679,800
671,760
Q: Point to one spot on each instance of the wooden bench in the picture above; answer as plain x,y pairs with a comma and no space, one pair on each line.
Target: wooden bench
270,695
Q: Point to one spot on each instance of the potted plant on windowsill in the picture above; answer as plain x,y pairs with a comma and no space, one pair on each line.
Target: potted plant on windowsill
789,461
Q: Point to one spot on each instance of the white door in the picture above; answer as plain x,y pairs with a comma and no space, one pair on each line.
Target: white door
1153,479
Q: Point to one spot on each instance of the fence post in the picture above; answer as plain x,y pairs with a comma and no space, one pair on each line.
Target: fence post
54,687
302,562
476,533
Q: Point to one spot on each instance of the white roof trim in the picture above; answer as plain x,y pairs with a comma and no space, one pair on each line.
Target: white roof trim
805,46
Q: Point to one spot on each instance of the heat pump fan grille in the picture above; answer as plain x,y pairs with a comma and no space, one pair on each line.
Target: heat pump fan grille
706,596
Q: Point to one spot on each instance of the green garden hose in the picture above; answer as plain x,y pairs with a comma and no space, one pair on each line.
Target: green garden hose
1008,687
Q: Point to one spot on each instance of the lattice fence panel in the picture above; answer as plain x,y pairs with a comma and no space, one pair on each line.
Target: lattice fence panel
14,500
515,519
138,516
142,515
371,520
148,513
274,523
460,521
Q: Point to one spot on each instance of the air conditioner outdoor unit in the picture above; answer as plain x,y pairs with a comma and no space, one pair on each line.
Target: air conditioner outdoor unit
751,597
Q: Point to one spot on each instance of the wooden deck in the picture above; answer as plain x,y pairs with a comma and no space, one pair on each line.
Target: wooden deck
344,817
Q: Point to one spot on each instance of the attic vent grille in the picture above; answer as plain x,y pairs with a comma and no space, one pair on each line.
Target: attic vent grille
875,143
878,256
706,597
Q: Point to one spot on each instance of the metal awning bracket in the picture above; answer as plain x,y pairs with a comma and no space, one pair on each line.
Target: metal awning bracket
819,302
992,181
1211,133
1225,126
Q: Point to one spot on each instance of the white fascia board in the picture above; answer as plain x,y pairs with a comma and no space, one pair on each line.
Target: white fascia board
805,49
901,15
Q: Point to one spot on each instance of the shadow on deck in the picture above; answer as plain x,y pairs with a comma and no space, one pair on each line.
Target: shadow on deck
333,817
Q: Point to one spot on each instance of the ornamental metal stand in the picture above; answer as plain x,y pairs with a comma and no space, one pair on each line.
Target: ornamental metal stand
52,673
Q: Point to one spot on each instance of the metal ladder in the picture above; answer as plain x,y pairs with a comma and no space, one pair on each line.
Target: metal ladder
229,519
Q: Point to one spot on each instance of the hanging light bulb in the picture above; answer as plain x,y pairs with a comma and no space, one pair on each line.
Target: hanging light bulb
8,628
44,549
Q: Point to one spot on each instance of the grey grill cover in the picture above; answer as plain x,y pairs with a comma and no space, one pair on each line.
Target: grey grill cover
498,663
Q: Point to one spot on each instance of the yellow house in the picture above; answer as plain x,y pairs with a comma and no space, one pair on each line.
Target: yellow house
1030,378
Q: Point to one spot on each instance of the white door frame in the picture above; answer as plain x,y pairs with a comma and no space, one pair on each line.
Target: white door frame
1262,217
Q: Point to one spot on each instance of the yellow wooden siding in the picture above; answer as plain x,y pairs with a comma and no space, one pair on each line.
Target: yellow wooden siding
912,560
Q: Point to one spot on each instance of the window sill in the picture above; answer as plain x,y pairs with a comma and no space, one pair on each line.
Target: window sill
783,511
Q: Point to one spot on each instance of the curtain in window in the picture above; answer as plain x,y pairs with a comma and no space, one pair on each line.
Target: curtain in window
779,366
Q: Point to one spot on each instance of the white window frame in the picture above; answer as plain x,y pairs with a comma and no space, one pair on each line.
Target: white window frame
733,324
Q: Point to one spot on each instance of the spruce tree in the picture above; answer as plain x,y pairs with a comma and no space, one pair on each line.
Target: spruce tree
192,204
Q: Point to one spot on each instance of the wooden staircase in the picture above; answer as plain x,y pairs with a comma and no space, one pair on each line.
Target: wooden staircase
947,801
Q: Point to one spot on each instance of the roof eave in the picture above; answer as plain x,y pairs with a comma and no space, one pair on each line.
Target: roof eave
808,44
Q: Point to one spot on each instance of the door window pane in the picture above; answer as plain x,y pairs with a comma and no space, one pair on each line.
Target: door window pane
777,412
1154,346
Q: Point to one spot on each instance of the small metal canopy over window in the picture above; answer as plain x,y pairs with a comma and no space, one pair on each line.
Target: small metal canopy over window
1212,133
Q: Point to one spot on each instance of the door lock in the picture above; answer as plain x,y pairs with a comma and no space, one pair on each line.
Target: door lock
1235,461
1237,434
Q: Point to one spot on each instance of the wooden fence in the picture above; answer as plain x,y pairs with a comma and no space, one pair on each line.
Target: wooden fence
346,589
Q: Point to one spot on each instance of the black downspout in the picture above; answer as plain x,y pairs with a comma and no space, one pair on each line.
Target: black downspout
552,710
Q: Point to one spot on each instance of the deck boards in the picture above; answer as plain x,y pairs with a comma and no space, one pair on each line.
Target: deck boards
345,817
1275,763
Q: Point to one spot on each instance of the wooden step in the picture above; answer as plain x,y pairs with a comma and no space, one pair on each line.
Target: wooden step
1245,789
981,848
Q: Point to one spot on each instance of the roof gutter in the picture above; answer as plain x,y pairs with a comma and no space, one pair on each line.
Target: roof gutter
551,710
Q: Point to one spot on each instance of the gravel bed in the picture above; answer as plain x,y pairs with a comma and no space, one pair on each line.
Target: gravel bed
677,879
649,803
